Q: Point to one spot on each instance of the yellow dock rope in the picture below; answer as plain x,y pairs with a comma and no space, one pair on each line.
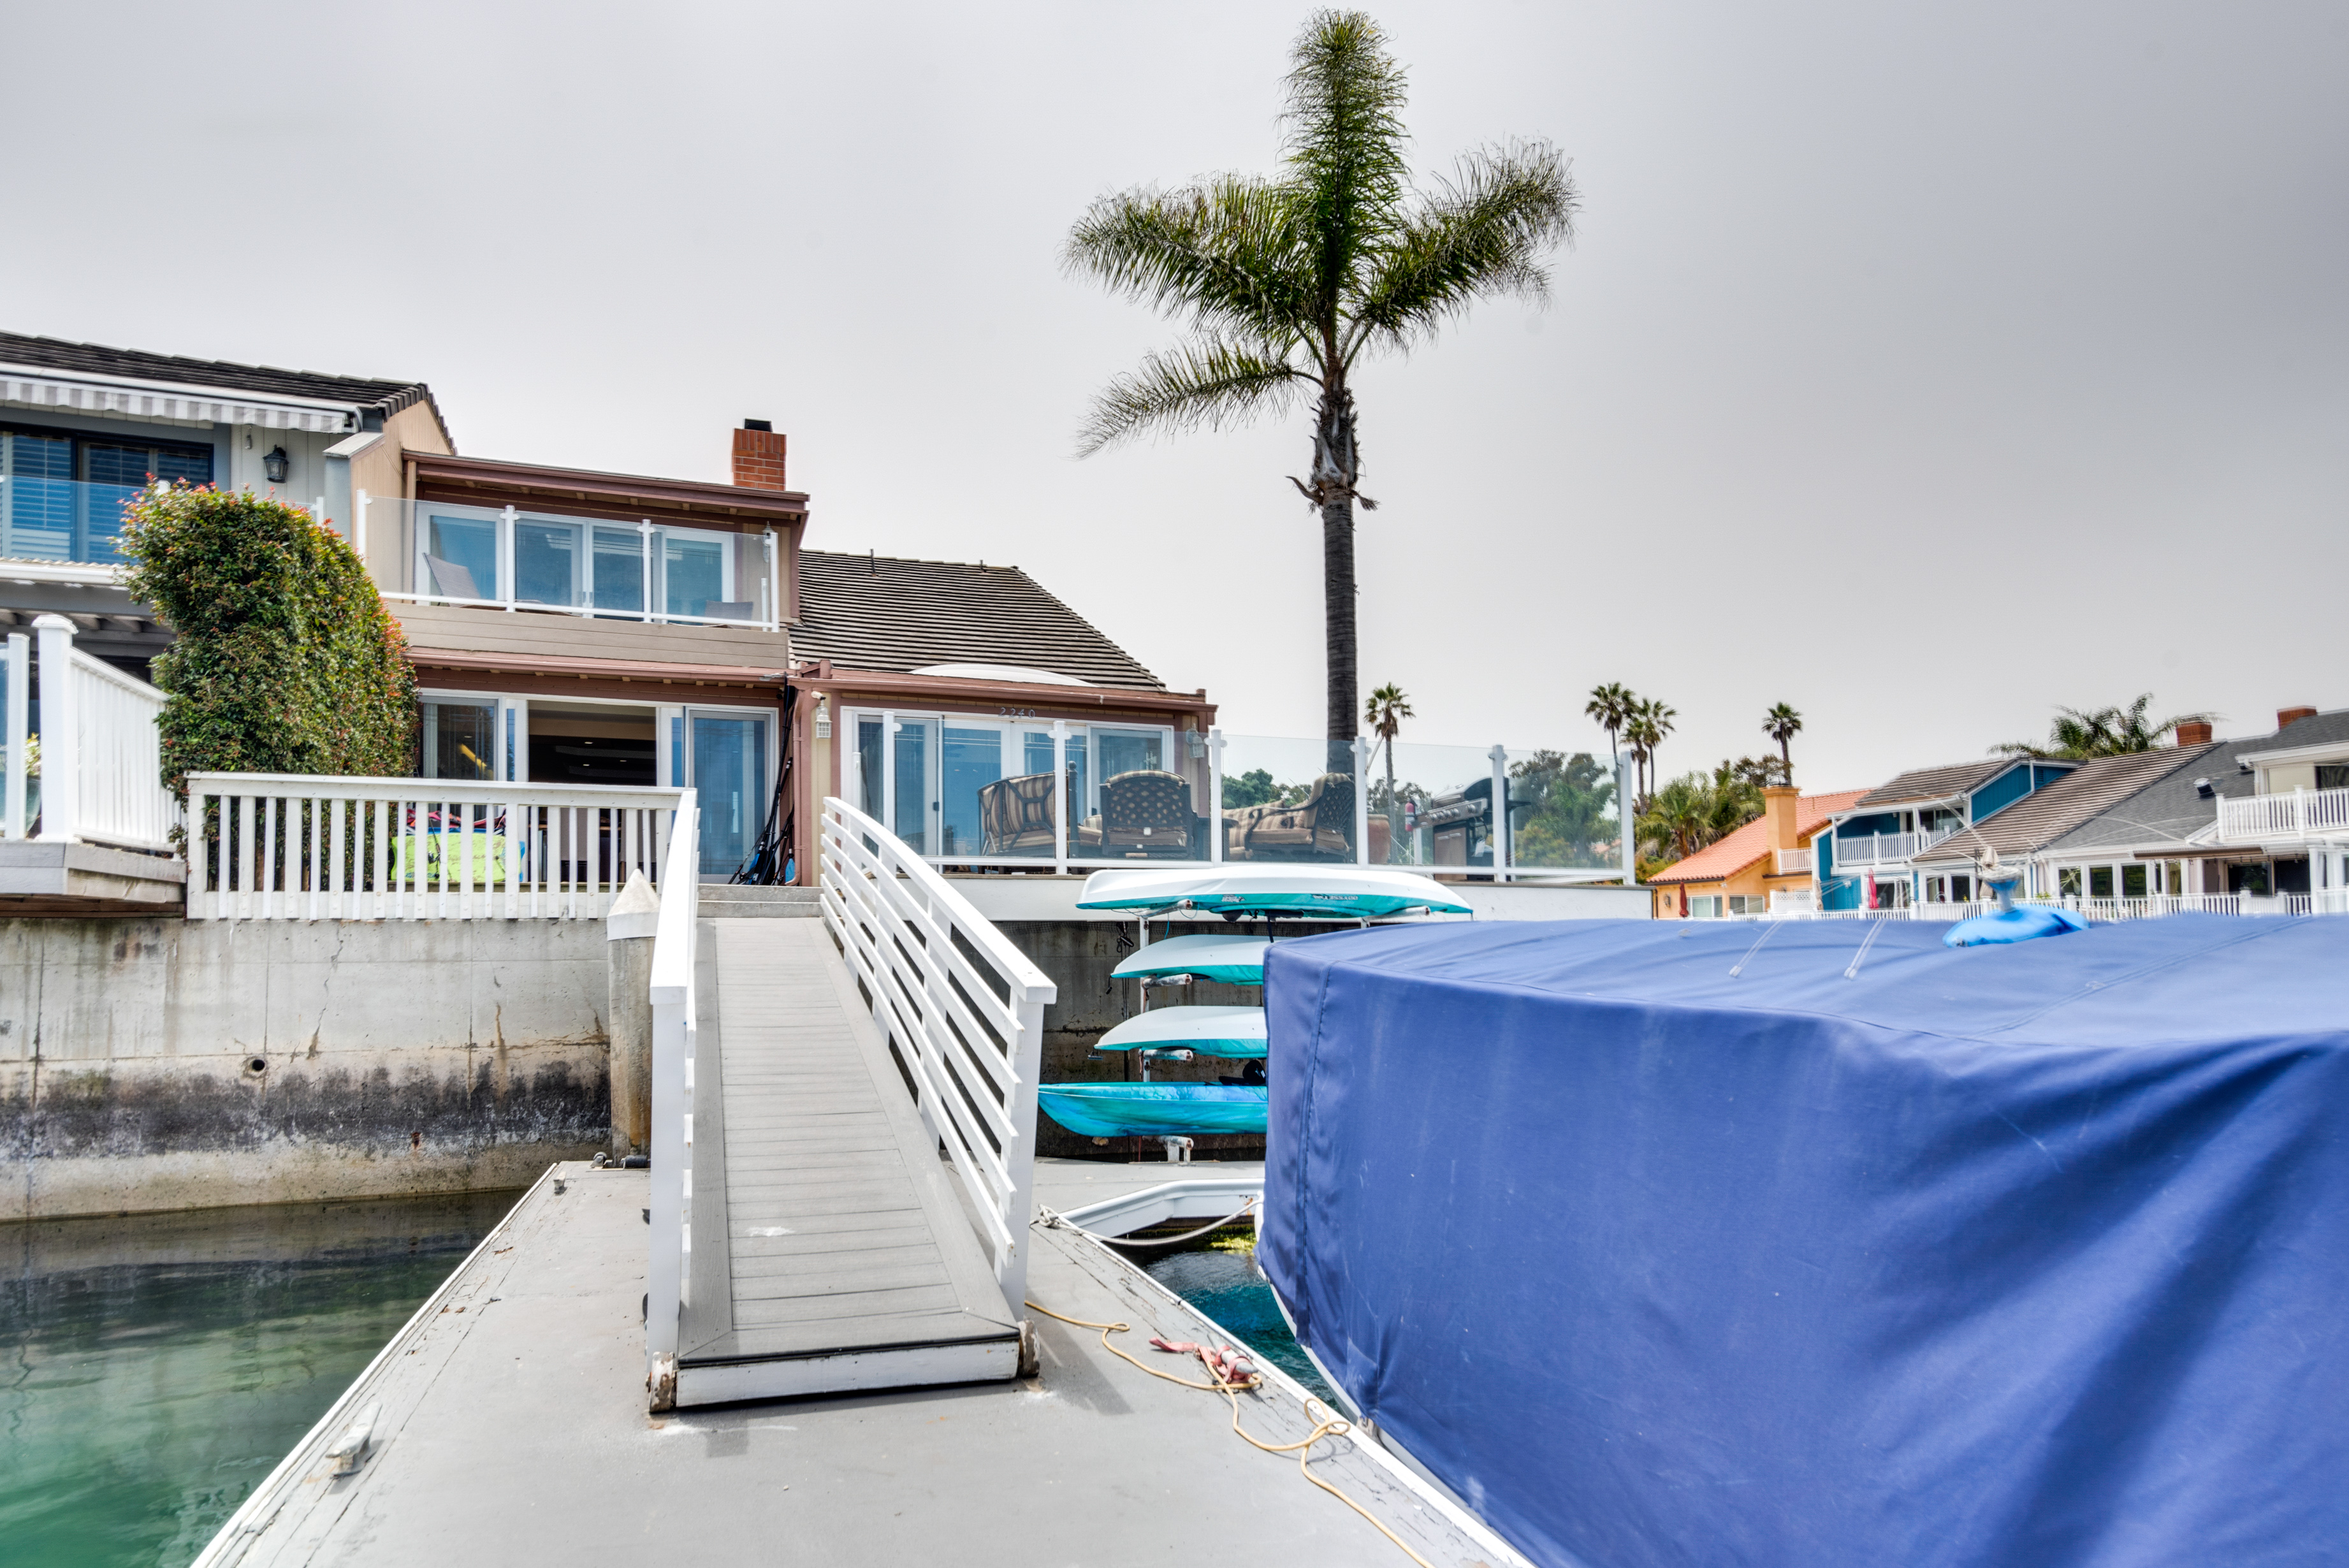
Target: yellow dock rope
1326,1425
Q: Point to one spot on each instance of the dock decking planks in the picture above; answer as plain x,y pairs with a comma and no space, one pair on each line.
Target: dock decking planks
824,1223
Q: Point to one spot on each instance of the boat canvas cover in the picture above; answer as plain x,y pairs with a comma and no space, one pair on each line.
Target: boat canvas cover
1153,1110
1335,893
1824,1243
1233,960
1218,1031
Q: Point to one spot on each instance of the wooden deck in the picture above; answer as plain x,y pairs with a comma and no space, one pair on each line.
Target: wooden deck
829,1252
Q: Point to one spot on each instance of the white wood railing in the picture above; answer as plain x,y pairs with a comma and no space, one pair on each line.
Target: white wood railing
286,846
2304,813
676,1023
962,1006
1796,863
1884,849
101,755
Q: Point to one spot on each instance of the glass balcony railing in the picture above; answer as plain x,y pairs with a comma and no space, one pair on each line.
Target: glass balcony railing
425,551
60,520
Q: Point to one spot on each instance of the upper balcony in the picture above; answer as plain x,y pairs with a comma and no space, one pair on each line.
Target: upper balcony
442,552
2269,819
1873,851
1796,863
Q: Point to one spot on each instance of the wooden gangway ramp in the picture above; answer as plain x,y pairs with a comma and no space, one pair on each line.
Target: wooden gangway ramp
829,1251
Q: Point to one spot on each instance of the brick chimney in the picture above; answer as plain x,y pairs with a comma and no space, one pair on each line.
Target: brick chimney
2287,715
2194,732
758,456
1778,806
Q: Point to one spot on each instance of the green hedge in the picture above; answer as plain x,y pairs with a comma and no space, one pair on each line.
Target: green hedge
287,660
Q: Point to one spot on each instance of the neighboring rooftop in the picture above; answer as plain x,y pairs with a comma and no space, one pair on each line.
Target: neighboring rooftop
2050,813
1922,784
1727,856
892,616
107,364
2315,729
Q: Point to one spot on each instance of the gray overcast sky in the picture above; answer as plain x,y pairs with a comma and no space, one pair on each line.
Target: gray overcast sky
1922,365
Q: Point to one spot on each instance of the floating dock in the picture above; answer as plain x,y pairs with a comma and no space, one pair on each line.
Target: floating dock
511,1427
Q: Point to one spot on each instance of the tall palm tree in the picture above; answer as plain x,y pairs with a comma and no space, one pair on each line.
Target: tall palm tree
1782,724
1385,712
1286,281
1651,721
1610,708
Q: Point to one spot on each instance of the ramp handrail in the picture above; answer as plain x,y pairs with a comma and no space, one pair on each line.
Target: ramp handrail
675,937
291,846
962,1007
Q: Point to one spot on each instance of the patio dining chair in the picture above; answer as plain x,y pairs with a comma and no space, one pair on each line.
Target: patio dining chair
1146,814
1015,815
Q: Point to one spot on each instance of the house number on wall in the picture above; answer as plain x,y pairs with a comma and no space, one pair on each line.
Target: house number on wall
1015,713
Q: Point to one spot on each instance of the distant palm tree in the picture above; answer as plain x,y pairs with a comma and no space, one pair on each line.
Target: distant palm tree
1782,724
1610,706
2106,732
1385,712
1651,721
1286,281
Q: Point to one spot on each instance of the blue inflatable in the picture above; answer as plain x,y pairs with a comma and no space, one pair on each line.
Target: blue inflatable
2024,923
1826,1245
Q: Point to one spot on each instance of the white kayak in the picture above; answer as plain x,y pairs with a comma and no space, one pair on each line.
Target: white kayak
1338,893
1215,1031
1236,960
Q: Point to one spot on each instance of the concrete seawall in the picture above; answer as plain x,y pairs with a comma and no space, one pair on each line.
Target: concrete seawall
154,1064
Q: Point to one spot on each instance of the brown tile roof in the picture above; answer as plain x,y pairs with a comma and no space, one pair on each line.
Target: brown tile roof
2042,817
895,616
1935,783
1726,857
98,360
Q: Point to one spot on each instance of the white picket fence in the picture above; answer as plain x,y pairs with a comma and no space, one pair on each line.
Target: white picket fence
101,779
963,1007
286,846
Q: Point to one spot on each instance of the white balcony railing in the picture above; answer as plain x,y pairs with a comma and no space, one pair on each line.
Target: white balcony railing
1871,850
1796,863
279,846
2304,813
676,1031
101,779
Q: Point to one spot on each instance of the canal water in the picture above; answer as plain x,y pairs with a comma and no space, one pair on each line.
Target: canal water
1221,1279
158,1367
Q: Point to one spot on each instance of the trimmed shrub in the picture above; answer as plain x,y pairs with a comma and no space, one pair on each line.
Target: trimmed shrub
287,660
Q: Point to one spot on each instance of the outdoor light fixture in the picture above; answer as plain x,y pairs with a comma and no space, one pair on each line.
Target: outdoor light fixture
277,465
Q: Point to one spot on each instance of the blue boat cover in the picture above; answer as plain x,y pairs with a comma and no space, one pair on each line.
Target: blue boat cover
2024,923
1823,1243
1153,1110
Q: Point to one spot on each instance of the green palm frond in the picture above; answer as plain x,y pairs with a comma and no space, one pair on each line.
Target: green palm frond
1480,233
1225,255
1206,386
1344,142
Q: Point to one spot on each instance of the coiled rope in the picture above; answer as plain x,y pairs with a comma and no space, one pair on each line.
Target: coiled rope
1326,1425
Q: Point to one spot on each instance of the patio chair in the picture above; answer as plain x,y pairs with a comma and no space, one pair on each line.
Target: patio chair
1015,815
1145,815
451,579
1319,827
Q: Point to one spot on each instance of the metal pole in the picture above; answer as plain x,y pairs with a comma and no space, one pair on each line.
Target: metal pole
1628,834
1061,797
60,732
1216,796
1362,801
1500,755
506,556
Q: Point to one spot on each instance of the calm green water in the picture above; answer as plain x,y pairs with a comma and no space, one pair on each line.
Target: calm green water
1223,1282
158,1367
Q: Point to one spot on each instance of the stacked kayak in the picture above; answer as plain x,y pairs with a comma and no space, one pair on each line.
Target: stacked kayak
1172,1111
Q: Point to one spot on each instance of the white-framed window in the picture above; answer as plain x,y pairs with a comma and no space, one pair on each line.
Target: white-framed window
473,735
490,556
967,788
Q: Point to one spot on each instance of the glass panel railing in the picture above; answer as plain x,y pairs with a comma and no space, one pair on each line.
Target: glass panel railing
447,552
60,520
1289,799
1438,809
1564,811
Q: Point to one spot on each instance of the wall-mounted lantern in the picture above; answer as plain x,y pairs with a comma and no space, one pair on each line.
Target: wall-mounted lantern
277,465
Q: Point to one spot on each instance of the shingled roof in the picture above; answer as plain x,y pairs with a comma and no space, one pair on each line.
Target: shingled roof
1935,783
893,617
136,364
2042,817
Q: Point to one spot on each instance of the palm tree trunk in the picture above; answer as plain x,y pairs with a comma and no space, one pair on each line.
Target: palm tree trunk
1334,472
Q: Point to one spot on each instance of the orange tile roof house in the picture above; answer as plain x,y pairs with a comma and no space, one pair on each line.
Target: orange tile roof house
1771,853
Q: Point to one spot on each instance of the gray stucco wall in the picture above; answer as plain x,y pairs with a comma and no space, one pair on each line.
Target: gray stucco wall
151,1064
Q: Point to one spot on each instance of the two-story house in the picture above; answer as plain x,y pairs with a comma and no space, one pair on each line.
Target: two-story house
1871,858
568,625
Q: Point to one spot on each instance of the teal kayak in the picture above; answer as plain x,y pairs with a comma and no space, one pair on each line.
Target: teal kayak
1215,1031
1154,1110
1330,893
1235,960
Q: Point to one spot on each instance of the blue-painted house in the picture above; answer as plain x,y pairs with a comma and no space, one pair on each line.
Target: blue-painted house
1867,860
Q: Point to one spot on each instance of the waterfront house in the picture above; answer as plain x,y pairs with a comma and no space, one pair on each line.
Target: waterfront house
2024,831
1870,859
1766,866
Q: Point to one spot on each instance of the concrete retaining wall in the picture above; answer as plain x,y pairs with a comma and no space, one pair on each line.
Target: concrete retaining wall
151,1064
